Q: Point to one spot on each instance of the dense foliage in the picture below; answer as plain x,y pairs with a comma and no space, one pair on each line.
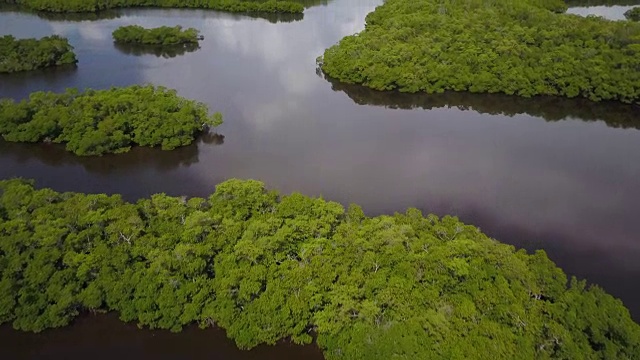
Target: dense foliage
164,35
106,121
633,14
521,47
30,54
266,267
271,6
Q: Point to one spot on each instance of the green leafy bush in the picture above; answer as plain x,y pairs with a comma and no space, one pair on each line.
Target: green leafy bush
164,35
266,267
31,54
270,6
97,122
516,47
633,14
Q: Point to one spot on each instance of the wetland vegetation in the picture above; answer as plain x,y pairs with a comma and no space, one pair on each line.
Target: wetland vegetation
160,36
267,267
633,14
521,47
61,6
31,54
97,122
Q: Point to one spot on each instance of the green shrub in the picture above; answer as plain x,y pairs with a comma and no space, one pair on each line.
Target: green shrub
633,14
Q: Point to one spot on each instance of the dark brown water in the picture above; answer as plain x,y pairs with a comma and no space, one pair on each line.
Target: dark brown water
544,173
106,337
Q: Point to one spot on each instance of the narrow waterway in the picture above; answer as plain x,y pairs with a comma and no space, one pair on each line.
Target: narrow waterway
105,337
542,173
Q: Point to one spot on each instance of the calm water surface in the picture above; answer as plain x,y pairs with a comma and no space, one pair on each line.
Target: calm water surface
613,12
105,337
553,174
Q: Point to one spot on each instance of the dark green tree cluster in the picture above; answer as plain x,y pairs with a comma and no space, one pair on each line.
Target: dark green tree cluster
30,54
266,267
521,47
268,6
96,122
633,14
164,35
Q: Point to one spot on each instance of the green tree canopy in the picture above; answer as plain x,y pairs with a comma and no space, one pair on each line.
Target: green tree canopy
267,267
267,6
96,122
164,35
31,54
516,47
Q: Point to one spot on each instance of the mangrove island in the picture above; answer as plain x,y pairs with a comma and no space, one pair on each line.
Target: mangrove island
164,35
31,54
97,122
268,6
266,267
516,47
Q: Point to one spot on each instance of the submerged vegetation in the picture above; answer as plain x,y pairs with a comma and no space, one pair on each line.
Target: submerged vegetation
633,14
164,35
521,47
31,54
268,6
266,267
96,122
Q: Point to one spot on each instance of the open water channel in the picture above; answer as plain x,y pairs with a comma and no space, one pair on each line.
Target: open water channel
545,173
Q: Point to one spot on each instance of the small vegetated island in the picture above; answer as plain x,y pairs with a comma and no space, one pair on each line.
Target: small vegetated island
267,267
97,122
268,6
31,54
160,36
633,14
521,47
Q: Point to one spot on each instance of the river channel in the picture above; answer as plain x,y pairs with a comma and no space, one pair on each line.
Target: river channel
544,173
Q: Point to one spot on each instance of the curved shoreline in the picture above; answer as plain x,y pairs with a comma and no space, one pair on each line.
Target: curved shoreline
93,6
266,267
527,49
